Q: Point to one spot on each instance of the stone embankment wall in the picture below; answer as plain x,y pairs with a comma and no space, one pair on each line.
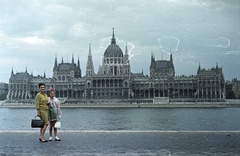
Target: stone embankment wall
233,101
227,104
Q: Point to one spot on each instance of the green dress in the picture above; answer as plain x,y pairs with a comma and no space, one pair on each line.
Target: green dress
41,101
54,109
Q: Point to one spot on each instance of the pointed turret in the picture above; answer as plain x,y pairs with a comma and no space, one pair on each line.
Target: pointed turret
26,70
152,59
78,63
126,49
12,72
62,59
126,54
55,63
171,60
89,50
72,59
79,68
199,68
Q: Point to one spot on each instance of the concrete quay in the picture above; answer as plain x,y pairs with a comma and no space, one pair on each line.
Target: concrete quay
123,143
95,105
227,104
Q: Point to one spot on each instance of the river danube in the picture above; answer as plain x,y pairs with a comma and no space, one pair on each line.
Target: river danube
133,119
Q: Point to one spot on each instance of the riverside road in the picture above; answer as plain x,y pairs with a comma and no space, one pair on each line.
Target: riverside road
124,143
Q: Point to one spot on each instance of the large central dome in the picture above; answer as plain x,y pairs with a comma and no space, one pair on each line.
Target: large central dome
113,50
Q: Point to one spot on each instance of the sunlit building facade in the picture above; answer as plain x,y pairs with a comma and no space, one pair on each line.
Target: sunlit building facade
114,82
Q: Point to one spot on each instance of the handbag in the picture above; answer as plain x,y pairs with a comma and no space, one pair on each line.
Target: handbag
37,123
57,125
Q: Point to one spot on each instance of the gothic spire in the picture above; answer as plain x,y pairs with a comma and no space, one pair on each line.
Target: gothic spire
126,49
55,64
89,68
199,68
12,72
126,54
171,59
113,38
72,59
152,58
78,63
89,52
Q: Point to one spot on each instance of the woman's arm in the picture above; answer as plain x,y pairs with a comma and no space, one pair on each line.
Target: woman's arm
58,107
37,103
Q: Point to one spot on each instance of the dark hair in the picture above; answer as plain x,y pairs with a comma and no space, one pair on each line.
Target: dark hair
40,84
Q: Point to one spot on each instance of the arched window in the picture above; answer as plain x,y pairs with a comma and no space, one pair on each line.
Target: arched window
125,84
88,84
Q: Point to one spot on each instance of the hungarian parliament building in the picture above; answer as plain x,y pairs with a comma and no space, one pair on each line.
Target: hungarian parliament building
114,82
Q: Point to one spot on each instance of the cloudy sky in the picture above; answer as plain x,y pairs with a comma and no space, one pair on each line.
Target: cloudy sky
205,32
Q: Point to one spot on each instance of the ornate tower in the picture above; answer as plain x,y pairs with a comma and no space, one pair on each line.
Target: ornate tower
90,67
114,63
162,69
126,62
65,71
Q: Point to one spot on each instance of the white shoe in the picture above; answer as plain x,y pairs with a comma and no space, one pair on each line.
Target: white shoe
50,139
57,139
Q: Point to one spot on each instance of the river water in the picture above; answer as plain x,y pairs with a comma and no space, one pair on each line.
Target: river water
132,119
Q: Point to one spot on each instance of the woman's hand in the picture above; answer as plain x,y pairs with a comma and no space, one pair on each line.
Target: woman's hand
38,113
48,103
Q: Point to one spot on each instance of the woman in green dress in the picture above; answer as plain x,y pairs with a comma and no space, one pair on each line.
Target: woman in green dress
41,101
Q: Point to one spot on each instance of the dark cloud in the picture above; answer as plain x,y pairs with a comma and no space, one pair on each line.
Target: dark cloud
197,31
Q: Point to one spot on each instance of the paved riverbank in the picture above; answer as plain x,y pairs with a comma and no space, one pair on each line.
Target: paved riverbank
191,105
122,143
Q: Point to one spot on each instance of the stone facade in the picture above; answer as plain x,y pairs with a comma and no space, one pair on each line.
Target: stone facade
3,90
233,89
236,88
114,82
